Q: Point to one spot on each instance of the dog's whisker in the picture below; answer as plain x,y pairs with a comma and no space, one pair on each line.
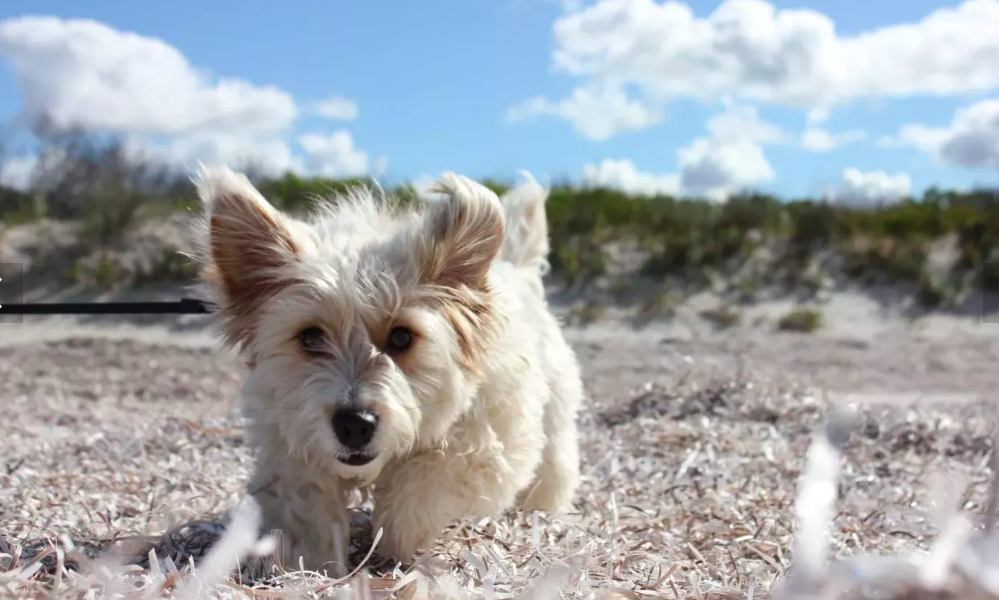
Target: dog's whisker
428,405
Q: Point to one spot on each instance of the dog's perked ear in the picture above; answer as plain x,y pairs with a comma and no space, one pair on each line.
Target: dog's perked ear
247,246
465,233
463,237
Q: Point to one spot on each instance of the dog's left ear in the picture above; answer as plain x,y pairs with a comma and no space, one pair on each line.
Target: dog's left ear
246,247
465,233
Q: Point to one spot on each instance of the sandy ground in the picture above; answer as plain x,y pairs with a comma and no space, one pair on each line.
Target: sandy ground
693,438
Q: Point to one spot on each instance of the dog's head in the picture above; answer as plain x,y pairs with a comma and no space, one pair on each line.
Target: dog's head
364,325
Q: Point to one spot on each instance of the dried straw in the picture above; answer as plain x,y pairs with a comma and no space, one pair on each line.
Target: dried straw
704,490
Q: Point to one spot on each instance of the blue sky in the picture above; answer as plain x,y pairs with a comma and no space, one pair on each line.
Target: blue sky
434,83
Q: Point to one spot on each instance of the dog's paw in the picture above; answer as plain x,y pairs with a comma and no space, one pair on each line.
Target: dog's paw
401,544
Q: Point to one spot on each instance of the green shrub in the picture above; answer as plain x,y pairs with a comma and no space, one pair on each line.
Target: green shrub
18,207
299,194
106,273
586,314
986,271
803,320
172,266
885,259
101,272
814,225
660,306
722,317
95,182
578,259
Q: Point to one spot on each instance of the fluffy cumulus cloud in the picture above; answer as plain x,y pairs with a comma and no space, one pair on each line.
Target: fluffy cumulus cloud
731,156
816,139
817,116
752,50
743,122
337,108
597,113
715,168
267,156
83,76
622,174
334,155
16,172
728,159
970,140
870,188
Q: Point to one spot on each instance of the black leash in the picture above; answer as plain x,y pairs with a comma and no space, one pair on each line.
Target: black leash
185,306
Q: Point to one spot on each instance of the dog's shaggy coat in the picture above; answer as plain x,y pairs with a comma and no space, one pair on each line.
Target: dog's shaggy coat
405,348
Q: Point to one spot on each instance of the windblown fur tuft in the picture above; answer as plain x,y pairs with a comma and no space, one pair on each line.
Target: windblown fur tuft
526,241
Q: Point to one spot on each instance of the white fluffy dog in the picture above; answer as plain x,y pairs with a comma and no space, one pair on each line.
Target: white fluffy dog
406,349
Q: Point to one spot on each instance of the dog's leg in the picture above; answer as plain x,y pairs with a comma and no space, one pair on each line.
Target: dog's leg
310,514
415,502
557,477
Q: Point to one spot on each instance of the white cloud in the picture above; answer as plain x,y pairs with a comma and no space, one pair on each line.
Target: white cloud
792,57
743,122
16,172
731,156
81,74
709,168
328,155
816,139
817,116
336,108
597,113
971,139
271,157
716,168
869,188
334,155
925,138
624,175
728,159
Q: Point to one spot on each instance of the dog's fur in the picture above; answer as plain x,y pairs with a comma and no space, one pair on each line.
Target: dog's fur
477,416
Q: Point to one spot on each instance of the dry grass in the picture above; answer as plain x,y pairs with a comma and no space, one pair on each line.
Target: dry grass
702,491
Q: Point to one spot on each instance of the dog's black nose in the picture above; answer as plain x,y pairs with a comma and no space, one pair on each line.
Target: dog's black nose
354,428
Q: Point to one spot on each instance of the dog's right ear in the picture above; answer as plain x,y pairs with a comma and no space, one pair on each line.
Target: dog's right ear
463,237
465,233
246,246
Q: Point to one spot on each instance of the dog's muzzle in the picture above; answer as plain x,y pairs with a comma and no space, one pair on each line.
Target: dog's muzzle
355,429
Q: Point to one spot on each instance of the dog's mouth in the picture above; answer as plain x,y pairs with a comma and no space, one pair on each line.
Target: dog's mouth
356,459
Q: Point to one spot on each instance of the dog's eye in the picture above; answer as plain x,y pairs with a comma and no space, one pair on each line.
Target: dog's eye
312,340
399,339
